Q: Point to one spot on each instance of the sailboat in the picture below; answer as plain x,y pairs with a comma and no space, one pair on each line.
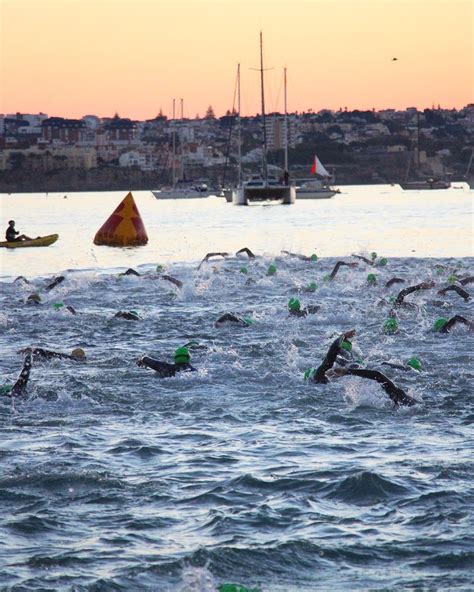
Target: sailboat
316,188
180,189
417,183
264,187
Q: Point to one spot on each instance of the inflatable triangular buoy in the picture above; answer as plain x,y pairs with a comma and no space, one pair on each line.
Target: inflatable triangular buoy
124,228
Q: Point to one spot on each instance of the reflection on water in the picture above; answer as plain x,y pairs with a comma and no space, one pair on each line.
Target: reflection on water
363,218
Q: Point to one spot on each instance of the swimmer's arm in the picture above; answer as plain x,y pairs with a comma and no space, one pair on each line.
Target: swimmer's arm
465,295
20,385
209,255
410,290
171,279
364,259
247,251
338,265
468,280
454,321
394,280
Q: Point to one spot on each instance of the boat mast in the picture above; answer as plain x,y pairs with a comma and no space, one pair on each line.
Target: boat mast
173,171
418,142
286,128
264,155
239,131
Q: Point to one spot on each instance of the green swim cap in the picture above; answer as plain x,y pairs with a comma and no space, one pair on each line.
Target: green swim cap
373,255
58,305
244,270
414,363
134,312
311,287
6,389
439,269
235,588
383,262
160,268
271,269
248,321
452,279
390,326
314,257
439,323
294,304
371,279
326,277
392,299
309,373
347,345
181,355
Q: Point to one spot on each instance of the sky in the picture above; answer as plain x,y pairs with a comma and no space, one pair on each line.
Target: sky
71,58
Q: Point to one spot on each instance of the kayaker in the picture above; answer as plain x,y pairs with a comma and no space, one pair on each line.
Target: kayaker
11,233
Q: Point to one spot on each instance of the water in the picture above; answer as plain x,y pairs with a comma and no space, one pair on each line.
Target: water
114,479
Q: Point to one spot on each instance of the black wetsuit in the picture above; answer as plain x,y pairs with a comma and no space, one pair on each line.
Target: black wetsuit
128,316
164,369
247,251
401,295
311,309
328,362
39,353
56,281
130,271
337,266
454,321
394,280
230,317
398,395
453,288
20,385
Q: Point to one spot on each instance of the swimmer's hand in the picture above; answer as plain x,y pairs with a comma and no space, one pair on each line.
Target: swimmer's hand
349,334
140,363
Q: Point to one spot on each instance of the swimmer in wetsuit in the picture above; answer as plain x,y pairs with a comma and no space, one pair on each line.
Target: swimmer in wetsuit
453,288
19,388
295,310
394,280
398,395
312,257
128,315
38,353
443,325
182,363
247,251
230,317
337,266
399,300
56,281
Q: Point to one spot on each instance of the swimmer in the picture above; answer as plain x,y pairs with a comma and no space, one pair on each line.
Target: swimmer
443,325
338,265
38,353
365,260
182,363
399,300
453,288
295,310
56,281
247,251
22,279
172,280
34,299
130,271
394,280
209,255
396,394
312,257
19,388
60,305
411,364
230,317
129,315
336,349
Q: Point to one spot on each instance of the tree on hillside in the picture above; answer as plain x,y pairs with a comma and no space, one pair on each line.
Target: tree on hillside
210,113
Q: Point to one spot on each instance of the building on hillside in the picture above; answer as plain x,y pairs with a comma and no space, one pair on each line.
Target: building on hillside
58,130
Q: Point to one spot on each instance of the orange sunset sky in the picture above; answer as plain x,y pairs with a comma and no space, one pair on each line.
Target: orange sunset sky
76,57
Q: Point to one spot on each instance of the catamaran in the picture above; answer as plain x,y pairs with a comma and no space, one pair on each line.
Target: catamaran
263,187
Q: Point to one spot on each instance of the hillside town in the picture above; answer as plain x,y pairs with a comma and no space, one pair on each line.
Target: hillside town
39,152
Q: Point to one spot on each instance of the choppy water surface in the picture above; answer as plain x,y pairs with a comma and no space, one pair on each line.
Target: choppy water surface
114,479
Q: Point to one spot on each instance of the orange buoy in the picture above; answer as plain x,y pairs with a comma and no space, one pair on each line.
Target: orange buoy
124,228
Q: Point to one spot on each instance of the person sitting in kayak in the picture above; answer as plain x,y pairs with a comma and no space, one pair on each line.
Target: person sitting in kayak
182,363
11,233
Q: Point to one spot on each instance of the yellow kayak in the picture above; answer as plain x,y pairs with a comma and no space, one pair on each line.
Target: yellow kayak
40,241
